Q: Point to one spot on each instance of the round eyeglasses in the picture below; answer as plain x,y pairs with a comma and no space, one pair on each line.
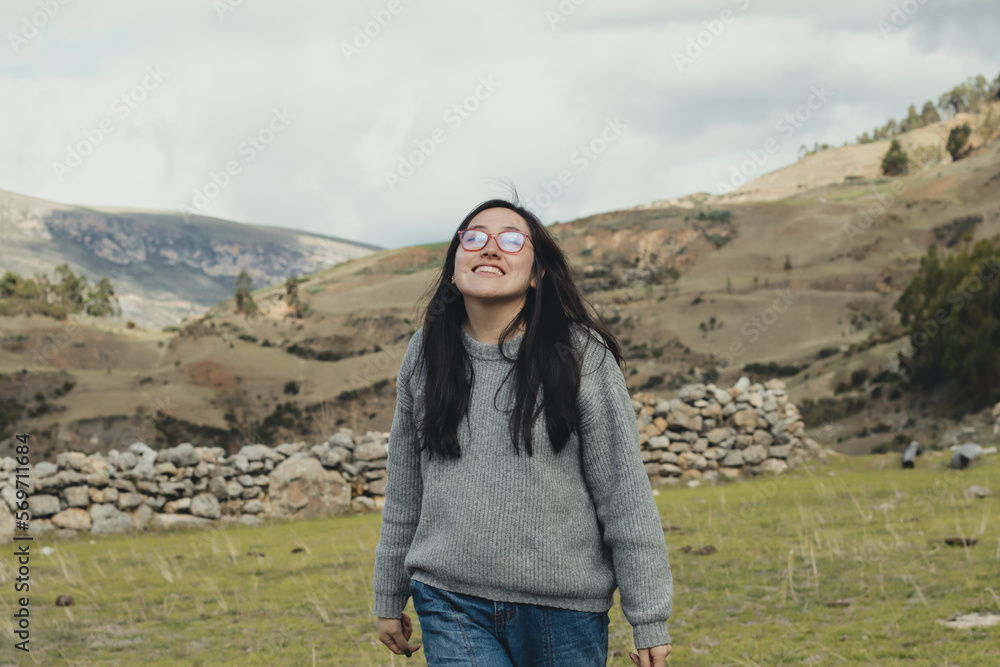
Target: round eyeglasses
476,239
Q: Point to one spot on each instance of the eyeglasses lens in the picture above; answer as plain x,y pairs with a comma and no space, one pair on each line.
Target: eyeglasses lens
508,241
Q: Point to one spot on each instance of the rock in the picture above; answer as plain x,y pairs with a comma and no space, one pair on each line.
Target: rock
723,397
250,521
182,456
779,451
774,466
733,459
659,442
965,454
176,506
217,487
77,496
730,473
253,507
206,505
761,437
369,451
746,419
754,454
670,470
686,422
170,521
241,463
377,488
255,452
717,435
43,505
73,518
109,519
300,488
288,448
141,517
234,489
692,392
363,504
45,469
144,452
976,491
691,473
710,476
129,500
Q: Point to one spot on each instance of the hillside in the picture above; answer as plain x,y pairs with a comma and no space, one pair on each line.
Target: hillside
163,267
222,379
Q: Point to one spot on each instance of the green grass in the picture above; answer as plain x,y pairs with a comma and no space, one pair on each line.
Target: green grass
787,546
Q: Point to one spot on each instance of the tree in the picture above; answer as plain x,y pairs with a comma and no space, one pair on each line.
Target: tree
71,288
913,120
292,295
244,300
930,113
895,161
102,301
958,139
952,310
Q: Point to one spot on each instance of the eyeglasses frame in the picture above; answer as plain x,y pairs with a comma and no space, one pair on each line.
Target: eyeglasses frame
492,236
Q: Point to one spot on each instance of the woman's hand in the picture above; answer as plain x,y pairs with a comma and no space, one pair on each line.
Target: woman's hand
396,634
652,657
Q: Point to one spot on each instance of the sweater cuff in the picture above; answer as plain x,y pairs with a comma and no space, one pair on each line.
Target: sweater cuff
649,635
390,606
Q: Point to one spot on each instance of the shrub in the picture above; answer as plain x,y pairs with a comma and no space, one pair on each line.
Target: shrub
895,162
958,140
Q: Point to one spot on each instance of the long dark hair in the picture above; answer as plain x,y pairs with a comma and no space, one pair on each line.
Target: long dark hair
547,357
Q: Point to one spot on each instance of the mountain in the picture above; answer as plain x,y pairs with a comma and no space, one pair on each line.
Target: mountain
163,267
793,275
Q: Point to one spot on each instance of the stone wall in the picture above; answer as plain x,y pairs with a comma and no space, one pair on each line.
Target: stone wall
745,430
748,429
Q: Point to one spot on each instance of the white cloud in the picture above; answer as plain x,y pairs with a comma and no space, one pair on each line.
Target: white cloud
325,172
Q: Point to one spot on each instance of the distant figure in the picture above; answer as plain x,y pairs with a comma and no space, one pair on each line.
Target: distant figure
911,453
965,454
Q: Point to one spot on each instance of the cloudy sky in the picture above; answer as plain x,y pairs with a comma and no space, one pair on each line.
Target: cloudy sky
385,121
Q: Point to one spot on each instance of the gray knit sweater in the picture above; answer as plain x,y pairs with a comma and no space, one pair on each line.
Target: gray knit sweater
561,531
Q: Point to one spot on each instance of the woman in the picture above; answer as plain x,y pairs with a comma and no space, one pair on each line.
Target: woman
513,560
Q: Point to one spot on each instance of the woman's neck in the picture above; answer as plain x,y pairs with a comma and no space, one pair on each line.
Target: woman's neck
489,331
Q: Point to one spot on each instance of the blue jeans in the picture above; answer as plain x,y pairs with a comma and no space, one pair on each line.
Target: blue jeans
476,632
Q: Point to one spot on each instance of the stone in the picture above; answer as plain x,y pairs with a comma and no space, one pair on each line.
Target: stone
144,452
717,435
255,452
45,469
165,468
659,442
743,440
141,517
745,419
670,470
109,519
363,504
773,466
250,493
976,491
253,507
250,521
668,457
234,489
754,454
733,459
730,473
182,456
369,451
241,463
170,521
684,422
206,505
39,527
679,447
691,473
779,451
692,392
77,496
73,518
217,487
129,500
377,487
301,488
43,505
710,476
700,445
177,506
761,437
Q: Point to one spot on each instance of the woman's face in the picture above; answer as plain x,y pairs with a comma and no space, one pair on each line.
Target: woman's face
515,275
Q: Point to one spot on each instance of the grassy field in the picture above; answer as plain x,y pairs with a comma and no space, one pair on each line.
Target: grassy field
843,563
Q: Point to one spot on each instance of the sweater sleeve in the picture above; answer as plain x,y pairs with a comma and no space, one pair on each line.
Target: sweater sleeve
403,494
623,498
